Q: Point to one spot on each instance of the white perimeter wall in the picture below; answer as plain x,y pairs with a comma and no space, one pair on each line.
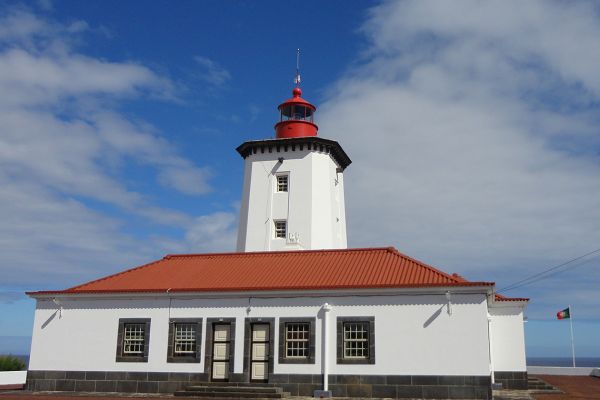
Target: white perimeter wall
508,338
414,334
13,377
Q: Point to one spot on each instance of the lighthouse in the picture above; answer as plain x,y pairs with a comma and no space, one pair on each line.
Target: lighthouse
293,193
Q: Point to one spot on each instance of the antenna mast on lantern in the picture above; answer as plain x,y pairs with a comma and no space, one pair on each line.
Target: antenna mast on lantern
297,78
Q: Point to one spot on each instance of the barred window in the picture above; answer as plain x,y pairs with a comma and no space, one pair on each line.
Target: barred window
134,339
297,340
185,339
356,340
282,183
280,229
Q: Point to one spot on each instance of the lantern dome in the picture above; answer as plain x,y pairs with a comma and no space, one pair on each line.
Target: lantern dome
296,117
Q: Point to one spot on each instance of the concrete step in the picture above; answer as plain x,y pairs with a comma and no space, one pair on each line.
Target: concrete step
230,395
223,390
238,384
536,384
252,389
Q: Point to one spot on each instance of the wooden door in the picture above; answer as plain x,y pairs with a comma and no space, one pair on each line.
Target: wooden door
259,360
220,352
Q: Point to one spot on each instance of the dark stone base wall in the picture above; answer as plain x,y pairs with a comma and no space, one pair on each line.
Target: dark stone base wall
511,379
379,386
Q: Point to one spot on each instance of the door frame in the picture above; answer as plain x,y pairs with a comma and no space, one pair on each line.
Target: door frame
208,348
248,345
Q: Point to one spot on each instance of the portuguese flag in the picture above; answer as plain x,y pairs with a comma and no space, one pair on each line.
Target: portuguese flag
564,314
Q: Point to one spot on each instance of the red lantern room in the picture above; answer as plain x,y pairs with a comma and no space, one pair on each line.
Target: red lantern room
296,117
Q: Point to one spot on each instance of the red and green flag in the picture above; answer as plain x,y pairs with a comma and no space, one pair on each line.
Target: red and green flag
564,314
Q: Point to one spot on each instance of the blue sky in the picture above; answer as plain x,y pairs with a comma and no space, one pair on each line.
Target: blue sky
473,130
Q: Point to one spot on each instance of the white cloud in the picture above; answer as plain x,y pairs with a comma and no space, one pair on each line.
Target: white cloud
47,239
215,232
18,24
472,127
65,148
44,79
187,180
211,72
45,5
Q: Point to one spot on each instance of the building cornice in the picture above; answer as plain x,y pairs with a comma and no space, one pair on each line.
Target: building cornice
476,288
292,144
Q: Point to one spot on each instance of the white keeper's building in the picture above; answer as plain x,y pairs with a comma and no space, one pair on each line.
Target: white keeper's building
293,308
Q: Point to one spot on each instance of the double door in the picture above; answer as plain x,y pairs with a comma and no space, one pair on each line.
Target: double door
259,352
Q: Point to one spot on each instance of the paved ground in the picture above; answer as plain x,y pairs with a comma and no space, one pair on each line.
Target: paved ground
22,395
575,387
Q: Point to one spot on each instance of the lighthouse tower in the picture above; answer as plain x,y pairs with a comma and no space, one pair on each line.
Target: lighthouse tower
293,195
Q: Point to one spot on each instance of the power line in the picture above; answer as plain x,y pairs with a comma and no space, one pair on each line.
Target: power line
548,272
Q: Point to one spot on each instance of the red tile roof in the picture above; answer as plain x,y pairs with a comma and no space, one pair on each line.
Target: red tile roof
282,270
500,297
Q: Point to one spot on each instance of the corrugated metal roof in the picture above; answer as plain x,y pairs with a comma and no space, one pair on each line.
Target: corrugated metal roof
500,297
285,270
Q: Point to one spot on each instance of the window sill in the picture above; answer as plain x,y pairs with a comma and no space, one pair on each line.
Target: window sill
296,361
131,359
355,361
183,359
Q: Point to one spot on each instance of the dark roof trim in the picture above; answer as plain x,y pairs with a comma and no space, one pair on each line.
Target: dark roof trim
330,146
269,289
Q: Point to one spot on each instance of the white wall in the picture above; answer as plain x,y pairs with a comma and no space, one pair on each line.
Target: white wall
414,334
508,337
13,377
313,206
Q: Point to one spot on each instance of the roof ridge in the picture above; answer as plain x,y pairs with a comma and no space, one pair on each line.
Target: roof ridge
256,253
114,275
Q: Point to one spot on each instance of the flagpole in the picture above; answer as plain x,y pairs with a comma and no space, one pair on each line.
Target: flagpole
572,340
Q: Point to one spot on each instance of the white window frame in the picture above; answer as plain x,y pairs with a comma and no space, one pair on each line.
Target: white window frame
134,336
359,338
184,338
303,344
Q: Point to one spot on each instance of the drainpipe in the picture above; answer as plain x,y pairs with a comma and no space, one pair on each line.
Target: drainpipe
490,348
326,308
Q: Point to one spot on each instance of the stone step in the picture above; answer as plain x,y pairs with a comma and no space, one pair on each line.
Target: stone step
231,395
234,384
534,383
217,388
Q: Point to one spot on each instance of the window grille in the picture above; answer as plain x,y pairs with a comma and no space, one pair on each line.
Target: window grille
280,229
296,340
282,183
185,338
356,340
134,339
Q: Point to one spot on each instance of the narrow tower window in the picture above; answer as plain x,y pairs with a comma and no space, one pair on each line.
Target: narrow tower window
282,183
280,229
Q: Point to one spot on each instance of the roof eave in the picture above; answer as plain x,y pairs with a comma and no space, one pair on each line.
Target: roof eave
470,287
337,151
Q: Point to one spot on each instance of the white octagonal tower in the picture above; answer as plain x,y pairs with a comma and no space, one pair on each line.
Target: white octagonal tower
293,195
